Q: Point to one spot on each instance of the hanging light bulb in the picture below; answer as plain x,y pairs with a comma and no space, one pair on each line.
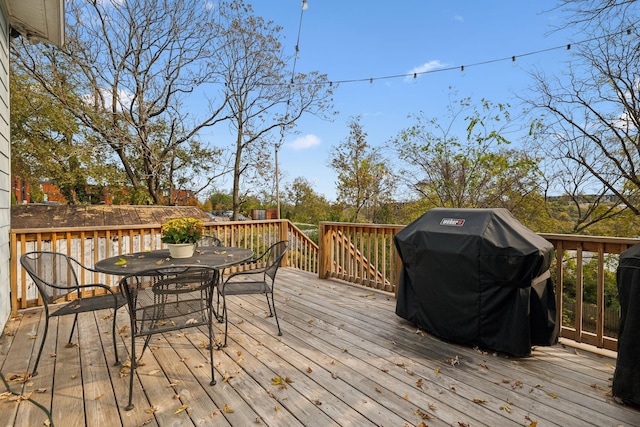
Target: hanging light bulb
304,5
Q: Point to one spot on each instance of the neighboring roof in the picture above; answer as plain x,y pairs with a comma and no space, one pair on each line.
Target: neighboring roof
33,215
37,20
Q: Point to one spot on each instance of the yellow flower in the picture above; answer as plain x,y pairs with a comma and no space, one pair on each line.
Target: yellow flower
182,230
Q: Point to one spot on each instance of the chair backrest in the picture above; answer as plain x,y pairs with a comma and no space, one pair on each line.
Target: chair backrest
53,273
274,257
169,298
209,241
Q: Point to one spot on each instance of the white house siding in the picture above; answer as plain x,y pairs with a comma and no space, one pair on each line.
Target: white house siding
5,171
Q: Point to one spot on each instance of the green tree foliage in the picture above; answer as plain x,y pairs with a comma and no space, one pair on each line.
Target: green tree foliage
365,184
467,162
125,74
221,201
303,204
48,143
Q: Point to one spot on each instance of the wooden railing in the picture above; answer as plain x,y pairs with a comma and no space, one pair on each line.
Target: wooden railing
365,254
358,253
572,249
91,244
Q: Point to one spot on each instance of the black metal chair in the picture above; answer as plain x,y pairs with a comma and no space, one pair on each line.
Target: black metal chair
208,240
56,276
168,299
255,281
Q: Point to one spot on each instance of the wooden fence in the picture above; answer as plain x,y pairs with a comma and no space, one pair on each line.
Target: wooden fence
357,253
89,245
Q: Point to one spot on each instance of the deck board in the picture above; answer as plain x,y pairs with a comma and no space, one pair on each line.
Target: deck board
347,358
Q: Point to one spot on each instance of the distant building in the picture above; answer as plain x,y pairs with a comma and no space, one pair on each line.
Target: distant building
51,193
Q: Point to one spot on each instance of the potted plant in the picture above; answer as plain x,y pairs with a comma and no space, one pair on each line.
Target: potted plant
182,235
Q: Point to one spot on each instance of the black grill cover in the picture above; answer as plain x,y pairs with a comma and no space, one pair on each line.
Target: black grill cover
626,380
477,277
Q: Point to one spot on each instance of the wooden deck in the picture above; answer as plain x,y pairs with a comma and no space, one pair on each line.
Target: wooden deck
345,359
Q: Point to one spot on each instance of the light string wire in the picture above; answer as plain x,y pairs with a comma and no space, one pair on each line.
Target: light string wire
286,112
451,68
293,72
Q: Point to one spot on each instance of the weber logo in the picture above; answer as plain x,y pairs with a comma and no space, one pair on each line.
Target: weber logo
452,222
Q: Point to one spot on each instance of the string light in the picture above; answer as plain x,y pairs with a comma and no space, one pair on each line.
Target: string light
461,67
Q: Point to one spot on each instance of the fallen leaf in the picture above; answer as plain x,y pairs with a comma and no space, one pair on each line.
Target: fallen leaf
309,370
181,408
437,370
120,261
505,408
422,414
453,361
479,401
553,395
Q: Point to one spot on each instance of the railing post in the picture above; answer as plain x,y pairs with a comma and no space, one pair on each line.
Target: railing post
284,235
323,251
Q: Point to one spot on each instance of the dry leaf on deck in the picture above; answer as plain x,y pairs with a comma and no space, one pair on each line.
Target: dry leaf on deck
422,414
181,408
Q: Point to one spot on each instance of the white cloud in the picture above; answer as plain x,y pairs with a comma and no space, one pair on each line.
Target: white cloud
458,18
305,142
426,67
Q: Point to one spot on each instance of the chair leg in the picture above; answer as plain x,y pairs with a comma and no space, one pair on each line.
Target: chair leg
73,327
211,341
273,302
268,304
44,337
226,319
113,334
132,371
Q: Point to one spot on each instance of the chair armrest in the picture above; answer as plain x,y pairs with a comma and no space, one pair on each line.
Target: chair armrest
238,273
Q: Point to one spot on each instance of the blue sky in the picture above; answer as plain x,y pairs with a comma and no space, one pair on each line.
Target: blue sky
358,39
